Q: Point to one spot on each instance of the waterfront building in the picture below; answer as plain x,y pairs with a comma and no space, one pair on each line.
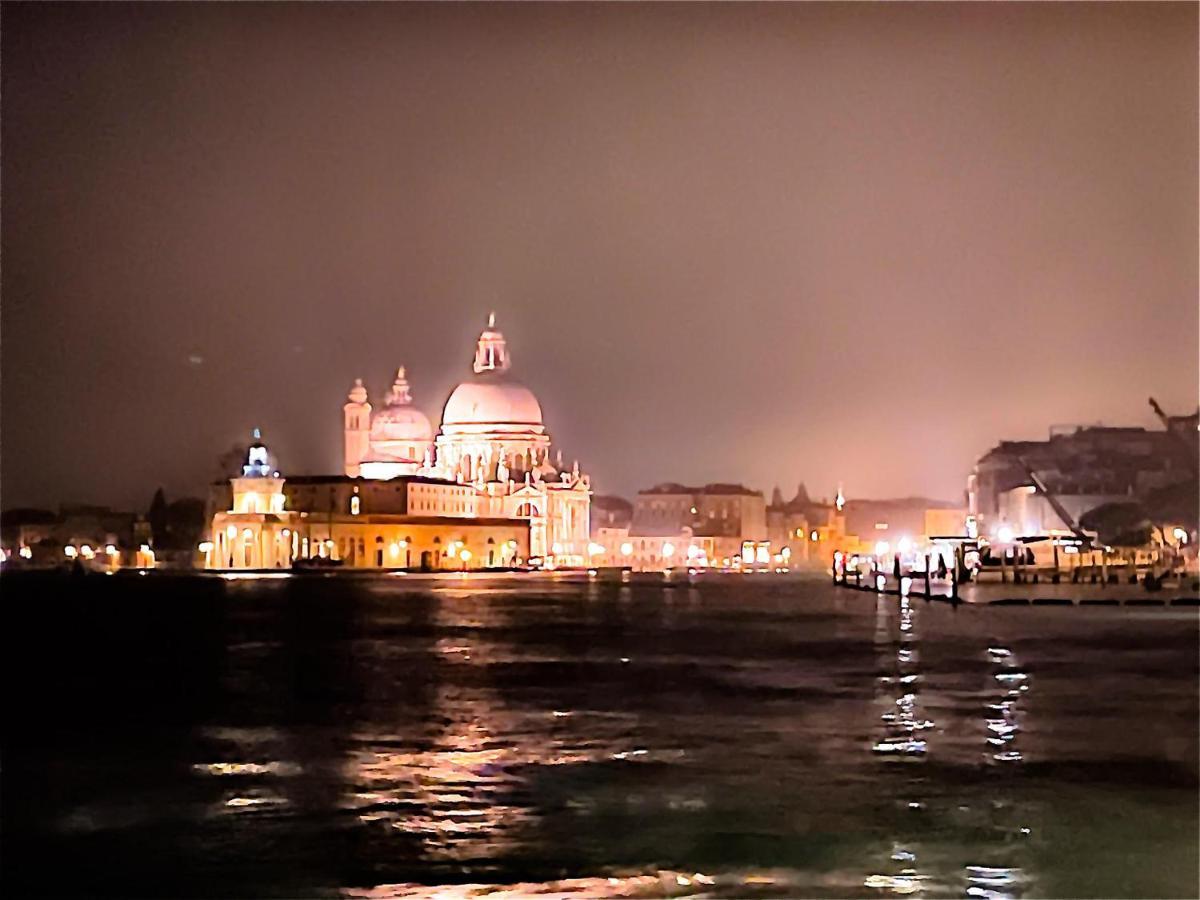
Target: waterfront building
97,536
810,531
673,525
1084,467
406,522
482,492
904,520
610,520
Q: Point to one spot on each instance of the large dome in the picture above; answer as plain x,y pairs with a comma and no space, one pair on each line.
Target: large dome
491,398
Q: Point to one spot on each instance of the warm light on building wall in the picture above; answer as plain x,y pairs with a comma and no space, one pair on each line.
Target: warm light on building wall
626,548
668,550
355,505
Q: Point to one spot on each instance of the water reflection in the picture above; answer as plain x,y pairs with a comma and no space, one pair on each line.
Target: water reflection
904,726
724,739
455,797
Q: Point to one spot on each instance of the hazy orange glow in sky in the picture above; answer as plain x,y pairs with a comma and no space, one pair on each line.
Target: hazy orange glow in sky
745,243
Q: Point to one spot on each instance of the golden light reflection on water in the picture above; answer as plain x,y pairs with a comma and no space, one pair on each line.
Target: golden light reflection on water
454,796
454,774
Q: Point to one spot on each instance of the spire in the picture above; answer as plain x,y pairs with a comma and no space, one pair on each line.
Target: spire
801,498
776,497
491,353
400,395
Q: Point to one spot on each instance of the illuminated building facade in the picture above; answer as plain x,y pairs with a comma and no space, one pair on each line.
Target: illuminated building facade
811,531
407,522
492,442
673,525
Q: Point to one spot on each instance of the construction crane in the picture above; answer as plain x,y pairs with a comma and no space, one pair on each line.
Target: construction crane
1040,487
1188,448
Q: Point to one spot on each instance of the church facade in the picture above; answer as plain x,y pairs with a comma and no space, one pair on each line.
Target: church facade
492,441
480,492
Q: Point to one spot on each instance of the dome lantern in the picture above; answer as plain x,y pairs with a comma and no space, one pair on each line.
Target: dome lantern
491,353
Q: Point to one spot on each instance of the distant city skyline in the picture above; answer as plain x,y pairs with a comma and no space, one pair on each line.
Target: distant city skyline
763,244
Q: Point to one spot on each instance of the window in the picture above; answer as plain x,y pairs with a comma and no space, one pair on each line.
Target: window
355,505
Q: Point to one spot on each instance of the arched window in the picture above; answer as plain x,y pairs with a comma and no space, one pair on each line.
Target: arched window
355,505
526,510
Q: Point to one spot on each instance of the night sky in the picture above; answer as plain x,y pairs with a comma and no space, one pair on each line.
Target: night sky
744,243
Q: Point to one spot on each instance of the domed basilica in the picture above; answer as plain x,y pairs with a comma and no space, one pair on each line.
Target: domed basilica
492,439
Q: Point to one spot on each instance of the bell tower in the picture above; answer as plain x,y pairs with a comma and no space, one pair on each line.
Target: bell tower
356,417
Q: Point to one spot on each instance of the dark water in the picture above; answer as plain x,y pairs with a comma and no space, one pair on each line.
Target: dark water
196,737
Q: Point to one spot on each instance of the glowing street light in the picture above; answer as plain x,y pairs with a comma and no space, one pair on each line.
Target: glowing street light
668,550
626,548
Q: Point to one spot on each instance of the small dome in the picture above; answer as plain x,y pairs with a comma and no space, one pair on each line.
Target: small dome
400,423
398,420
491,398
